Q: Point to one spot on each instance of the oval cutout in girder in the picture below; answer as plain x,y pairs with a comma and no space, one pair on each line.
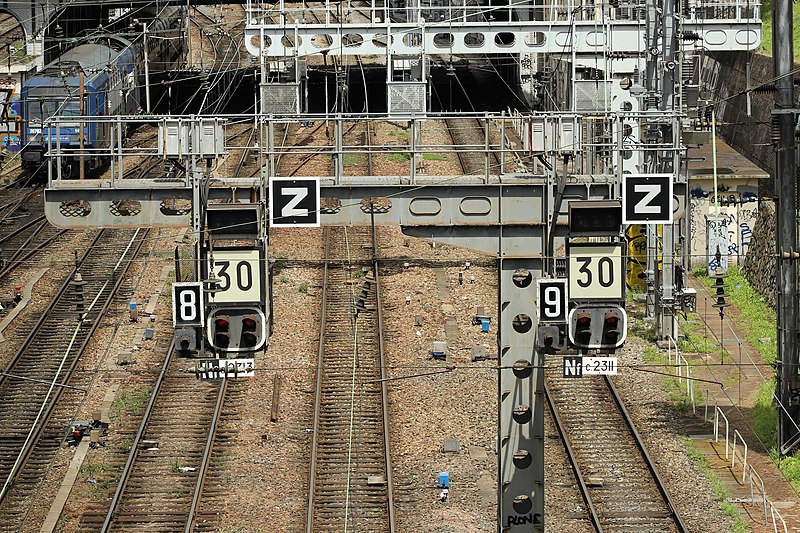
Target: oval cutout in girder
321,40
475,206
427,206
175,206
443,40
535,38
505,38
125,208
352,40
474,40
75,208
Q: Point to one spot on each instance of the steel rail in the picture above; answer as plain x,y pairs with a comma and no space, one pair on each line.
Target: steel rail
123,480
573,461
662,488
24,253
201,477
84,338
384,386
317,399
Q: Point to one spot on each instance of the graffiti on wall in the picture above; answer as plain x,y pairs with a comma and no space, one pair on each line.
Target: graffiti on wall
731,231
9,116
636,235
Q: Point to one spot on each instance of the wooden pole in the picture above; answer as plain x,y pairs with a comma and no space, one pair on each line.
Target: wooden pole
276,396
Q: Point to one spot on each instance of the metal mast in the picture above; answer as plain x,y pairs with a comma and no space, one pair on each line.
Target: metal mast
786,205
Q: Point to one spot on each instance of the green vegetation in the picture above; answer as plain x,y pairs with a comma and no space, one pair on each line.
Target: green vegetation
721,493
175,466
402,136
279,262
766,18
303,288
283,279
92,470
353,159
399,157
791,469
765,417
694,337
435,157
756,318
129,401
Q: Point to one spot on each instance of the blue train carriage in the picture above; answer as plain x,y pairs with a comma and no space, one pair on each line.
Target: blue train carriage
109,67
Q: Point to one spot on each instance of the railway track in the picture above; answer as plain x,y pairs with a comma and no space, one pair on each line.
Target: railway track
162,483
36,378
475,153
618,481
351,486
23,228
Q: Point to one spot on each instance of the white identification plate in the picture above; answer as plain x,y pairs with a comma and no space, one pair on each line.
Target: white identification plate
600,365
240,275
231,368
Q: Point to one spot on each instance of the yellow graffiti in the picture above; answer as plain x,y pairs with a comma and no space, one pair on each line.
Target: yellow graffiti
637,256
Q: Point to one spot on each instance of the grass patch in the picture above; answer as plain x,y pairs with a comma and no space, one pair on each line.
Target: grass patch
353,159
130,401
766,26
303,288
279,263
435,157
283,279
399,157
92,470
720,491
791,469
694,337
765,417
756,318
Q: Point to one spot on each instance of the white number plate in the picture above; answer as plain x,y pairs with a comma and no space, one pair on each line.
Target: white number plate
600,365
596,271
231,368
240,273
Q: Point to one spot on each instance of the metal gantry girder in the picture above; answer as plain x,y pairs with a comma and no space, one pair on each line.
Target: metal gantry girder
291,29
511,216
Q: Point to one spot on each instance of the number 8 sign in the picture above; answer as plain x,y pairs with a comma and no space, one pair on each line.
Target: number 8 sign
552,300
187,304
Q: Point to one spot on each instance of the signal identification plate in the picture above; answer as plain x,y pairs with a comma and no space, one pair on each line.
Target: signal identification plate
229,368
600,365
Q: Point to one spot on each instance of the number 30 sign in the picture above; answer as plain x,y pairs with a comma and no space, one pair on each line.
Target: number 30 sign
596,271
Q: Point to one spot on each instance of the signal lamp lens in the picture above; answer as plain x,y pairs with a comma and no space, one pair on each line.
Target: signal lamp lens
248,324
222,324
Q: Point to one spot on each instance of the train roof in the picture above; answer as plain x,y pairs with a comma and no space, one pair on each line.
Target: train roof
88,57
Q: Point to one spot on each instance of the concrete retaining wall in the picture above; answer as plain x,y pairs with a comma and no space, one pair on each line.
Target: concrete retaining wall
725,74
759,263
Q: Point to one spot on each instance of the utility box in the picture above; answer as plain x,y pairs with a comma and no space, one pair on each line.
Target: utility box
211,138
439,350
174,138
444,480
689,300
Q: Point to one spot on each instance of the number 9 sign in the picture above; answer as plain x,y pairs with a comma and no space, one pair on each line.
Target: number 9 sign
552,302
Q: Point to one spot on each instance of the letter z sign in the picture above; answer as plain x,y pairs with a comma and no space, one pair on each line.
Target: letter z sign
294,202
647,199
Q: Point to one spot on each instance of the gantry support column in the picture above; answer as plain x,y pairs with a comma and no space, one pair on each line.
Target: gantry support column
783,123
521,402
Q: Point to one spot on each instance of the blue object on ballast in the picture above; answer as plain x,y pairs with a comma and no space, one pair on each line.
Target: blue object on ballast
444,480
485,325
